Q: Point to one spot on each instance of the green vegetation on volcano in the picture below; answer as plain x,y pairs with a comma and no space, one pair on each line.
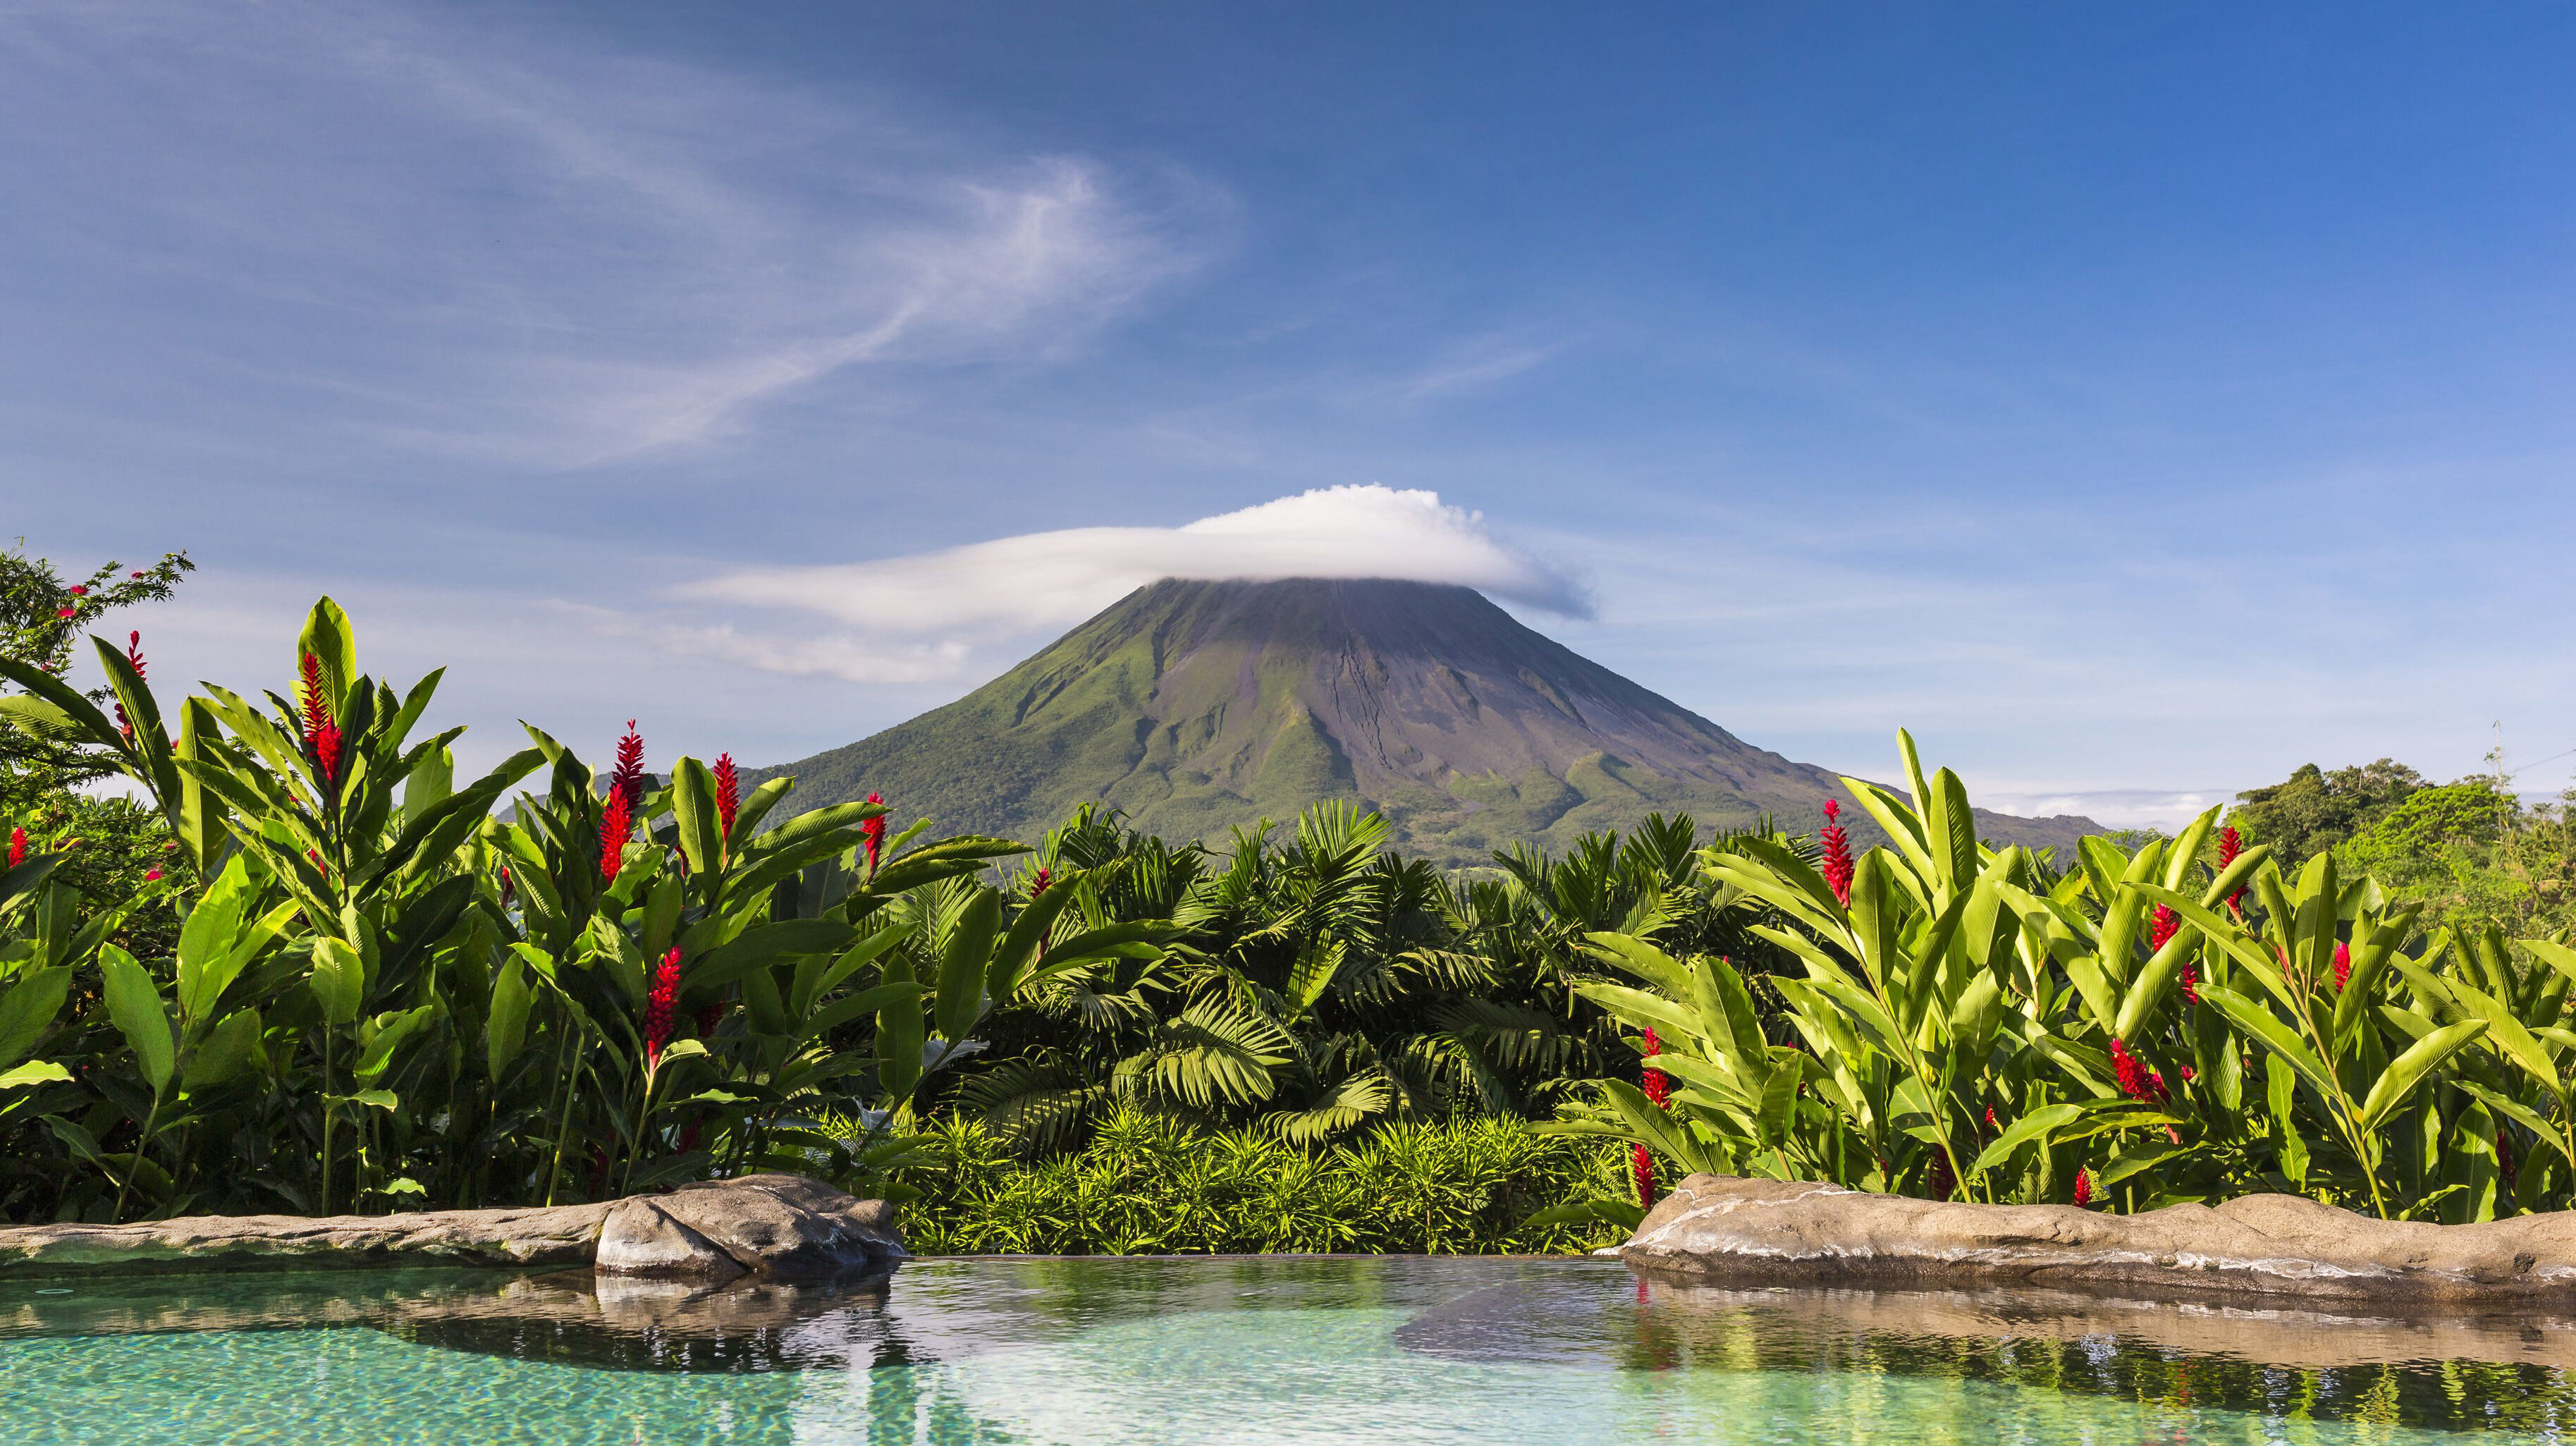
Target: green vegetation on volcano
1196,707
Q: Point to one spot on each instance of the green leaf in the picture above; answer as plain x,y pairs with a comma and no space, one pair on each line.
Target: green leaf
959,996
28,1010
339,980
1626,1214
505,1027
34,1072
385,1100
2403,1073
134,1003
693,805
2253,1019
226,1052
2037,1125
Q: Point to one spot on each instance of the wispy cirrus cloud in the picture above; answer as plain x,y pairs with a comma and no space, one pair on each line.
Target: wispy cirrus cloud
482,241
948,608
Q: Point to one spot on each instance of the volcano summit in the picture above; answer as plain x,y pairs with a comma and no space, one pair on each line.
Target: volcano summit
1195,706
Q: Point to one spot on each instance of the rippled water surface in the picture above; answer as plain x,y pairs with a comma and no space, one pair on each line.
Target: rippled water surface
1272,1350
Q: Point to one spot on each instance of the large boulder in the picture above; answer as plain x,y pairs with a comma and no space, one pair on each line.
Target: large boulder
1776,1232
764,1226
769,1226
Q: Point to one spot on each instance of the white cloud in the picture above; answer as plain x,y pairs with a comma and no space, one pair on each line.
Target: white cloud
485,240
918,612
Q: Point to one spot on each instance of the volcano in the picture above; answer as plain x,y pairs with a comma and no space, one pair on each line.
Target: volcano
1198,706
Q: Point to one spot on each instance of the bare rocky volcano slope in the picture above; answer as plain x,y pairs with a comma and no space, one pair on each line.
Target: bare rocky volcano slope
1196,706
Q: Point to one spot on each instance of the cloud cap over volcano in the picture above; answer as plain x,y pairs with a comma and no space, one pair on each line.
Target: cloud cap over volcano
988,591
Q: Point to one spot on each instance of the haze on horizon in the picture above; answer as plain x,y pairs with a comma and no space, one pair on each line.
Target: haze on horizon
2136,404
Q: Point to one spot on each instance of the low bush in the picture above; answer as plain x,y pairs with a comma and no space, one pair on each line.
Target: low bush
1147,1184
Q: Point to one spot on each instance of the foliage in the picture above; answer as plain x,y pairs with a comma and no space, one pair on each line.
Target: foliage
41,618
1316,987
2145,1027
384,994
1148,1183
2312,810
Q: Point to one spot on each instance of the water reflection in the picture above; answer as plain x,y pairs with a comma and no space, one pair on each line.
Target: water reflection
884,1337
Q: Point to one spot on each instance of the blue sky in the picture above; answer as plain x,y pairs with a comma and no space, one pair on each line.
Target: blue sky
2135,402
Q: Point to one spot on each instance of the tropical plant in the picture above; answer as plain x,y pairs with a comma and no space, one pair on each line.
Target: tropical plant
1970,1025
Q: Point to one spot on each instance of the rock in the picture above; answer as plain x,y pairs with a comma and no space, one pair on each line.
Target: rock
766,1226
561,1235
1773,1232
769,1226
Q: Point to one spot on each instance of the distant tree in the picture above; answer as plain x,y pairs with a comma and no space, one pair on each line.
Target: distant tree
2312,811
42,621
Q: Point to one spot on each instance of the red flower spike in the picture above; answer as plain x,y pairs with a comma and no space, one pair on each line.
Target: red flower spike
628,777
1838,859
1658,1085
616,826
1990,1118
2083,1189
17,847
2230,845
321,734
2133,1074
657,1008
133,657
2161,927
2342,965
873,832
1938,1181
509,886
728,792
2190,985
1641,1166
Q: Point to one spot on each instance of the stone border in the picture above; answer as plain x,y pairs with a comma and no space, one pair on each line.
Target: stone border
763,1226
1774,1232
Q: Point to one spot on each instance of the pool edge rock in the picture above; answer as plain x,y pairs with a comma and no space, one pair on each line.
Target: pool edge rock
783,1226
1776,1232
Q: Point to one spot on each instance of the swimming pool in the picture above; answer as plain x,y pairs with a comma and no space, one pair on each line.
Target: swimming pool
1277,1349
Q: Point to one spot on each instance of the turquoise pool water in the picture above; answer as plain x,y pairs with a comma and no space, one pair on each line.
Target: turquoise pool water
1253,1351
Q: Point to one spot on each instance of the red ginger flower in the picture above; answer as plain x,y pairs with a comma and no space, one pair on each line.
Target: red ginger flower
1990,1117
2083,1189
1940,1181
1641,1166
728,792
616,826
1659,1086
321,734
628,777
2342,965
2161,927
2230,844
2190,985
1838,858
1039,883
657,1008
873,832
2136,1080
17,847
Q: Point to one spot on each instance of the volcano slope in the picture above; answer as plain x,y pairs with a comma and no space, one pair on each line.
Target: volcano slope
1196,707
